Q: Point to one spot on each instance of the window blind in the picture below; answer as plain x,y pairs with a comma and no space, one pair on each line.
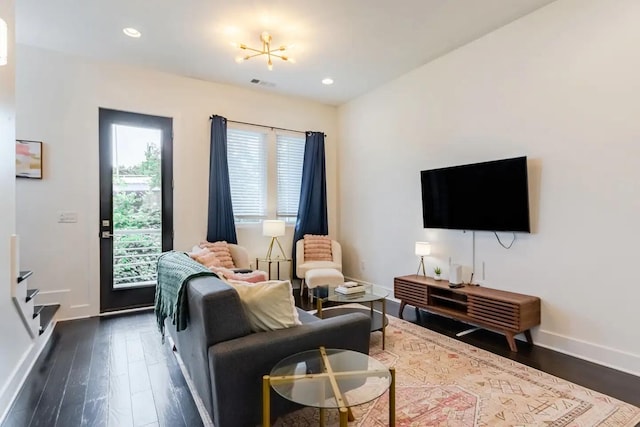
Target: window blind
247,160
290,156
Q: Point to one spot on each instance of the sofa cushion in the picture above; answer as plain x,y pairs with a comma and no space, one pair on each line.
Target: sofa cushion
221,251
268,305
317,248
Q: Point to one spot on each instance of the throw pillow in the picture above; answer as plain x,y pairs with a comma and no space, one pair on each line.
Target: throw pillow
268,305
252,276
317,248
206,258
221,249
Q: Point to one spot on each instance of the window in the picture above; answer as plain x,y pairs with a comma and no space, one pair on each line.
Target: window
247,160
289,157
265,171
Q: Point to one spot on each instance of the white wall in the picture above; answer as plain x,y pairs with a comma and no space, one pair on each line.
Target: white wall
14,339
57,100
560,86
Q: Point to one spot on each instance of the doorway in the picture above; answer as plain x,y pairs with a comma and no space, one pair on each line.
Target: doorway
136,205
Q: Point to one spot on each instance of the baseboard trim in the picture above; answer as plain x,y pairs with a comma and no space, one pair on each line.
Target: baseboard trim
129,310
595,353
22,371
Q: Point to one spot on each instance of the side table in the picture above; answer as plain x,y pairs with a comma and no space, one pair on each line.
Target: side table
329,378
277,262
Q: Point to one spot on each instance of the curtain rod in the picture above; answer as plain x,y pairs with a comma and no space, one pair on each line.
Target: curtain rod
263,126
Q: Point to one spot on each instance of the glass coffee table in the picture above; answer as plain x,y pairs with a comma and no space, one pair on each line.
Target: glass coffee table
371,294
329,378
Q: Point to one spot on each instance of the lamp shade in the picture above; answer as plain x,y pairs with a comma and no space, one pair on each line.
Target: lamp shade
272,228
423,248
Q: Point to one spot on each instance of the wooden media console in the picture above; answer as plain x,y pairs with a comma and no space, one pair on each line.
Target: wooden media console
506,312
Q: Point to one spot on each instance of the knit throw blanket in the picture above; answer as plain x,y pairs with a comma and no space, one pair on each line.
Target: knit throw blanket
175,269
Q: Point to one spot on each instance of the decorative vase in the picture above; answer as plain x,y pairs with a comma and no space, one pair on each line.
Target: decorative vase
437,277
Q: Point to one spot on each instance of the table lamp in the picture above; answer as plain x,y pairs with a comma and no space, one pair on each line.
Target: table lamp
422,249
273,228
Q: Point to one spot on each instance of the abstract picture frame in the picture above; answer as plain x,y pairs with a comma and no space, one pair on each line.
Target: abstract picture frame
28,159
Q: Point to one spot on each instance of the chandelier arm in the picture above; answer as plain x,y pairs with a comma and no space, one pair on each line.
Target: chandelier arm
253,50
253,56
279,56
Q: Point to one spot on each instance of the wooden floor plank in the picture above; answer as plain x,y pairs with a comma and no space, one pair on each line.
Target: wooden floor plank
144,408
167,406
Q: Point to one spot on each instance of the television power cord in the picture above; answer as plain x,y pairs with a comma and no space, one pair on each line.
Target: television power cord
502,244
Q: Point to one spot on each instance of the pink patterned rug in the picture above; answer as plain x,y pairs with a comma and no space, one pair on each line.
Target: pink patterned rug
444,382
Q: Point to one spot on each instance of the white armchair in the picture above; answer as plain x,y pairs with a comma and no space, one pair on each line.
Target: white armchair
302,265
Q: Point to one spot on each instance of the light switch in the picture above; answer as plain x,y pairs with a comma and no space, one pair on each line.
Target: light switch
67,217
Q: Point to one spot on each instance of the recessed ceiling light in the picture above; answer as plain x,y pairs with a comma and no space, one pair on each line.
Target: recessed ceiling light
132,32
327,81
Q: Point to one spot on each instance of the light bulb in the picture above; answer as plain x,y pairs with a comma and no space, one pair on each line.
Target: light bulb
239,59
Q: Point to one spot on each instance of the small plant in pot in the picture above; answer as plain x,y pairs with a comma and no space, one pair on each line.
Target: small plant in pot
437,272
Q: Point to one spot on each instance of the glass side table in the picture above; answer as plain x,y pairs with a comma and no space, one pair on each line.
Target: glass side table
379,320
277,262
329,378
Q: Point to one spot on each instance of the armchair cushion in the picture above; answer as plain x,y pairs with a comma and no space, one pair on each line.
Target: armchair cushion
317,248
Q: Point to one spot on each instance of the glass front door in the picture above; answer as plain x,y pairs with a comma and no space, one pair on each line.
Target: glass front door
136,205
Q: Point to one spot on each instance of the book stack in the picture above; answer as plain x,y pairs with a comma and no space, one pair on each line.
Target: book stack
350,288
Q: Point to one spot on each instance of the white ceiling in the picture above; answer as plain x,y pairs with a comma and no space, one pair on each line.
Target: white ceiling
361,44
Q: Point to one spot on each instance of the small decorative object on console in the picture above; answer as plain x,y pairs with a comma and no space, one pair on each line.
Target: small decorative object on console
437,271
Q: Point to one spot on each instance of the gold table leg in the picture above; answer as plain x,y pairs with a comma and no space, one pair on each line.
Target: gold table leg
343,417
319,311
322,417
266,404
392,398
384,318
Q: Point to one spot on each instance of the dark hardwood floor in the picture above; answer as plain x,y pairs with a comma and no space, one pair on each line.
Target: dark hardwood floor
115,371
103,371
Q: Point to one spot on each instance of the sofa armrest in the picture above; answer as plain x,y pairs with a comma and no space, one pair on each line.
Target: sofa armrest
237,365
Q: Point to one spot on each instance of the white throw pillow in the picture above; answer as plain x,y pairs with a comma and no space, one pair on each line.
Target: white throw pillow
269,305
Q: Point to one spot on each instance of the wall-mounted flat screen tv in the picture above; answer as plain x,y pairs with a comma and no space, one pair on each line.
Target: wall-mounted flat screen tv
491,196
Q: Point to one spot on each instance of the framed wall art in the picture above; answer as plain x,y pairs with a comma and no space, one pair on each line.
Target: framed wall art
28,159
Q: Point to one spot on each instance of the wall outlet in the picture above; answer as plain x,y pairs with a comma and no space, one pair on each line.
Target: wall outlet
362,265
67,217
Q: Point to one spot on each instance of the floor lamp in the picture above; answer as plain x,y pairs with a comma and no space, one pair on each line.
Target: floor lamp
273,228
422,249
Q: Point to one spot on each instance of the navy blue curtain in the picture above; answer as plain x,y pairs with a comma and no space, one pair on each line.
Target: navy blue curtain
220,225
312,209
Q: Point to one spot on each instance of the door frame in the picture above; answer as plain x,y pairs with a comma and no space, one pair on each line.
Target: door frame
127,298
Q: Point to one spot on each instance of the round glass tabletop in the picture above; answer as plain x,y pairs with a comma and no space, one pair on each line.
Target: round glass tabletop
370,294
337,378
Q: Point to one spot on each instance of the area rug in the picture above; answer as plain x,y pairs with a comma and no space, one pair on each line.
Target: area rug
443,382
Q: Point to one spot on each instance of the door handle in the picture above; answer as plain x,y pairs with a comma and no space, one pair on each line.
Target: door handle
106,235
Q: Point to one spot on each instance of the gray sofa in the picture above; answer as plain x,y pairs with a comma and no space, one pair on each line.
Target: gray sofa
226,360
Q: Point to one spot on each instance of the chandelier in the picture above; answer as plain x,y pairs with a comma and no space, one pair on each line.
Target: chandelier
265,38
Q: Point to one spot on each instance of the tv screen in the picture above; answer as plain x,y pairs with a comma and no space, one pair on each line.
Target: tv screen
491,196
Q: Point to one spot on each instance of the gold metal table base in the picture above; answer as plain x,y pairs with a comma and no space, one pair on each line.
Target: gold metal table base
344,410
